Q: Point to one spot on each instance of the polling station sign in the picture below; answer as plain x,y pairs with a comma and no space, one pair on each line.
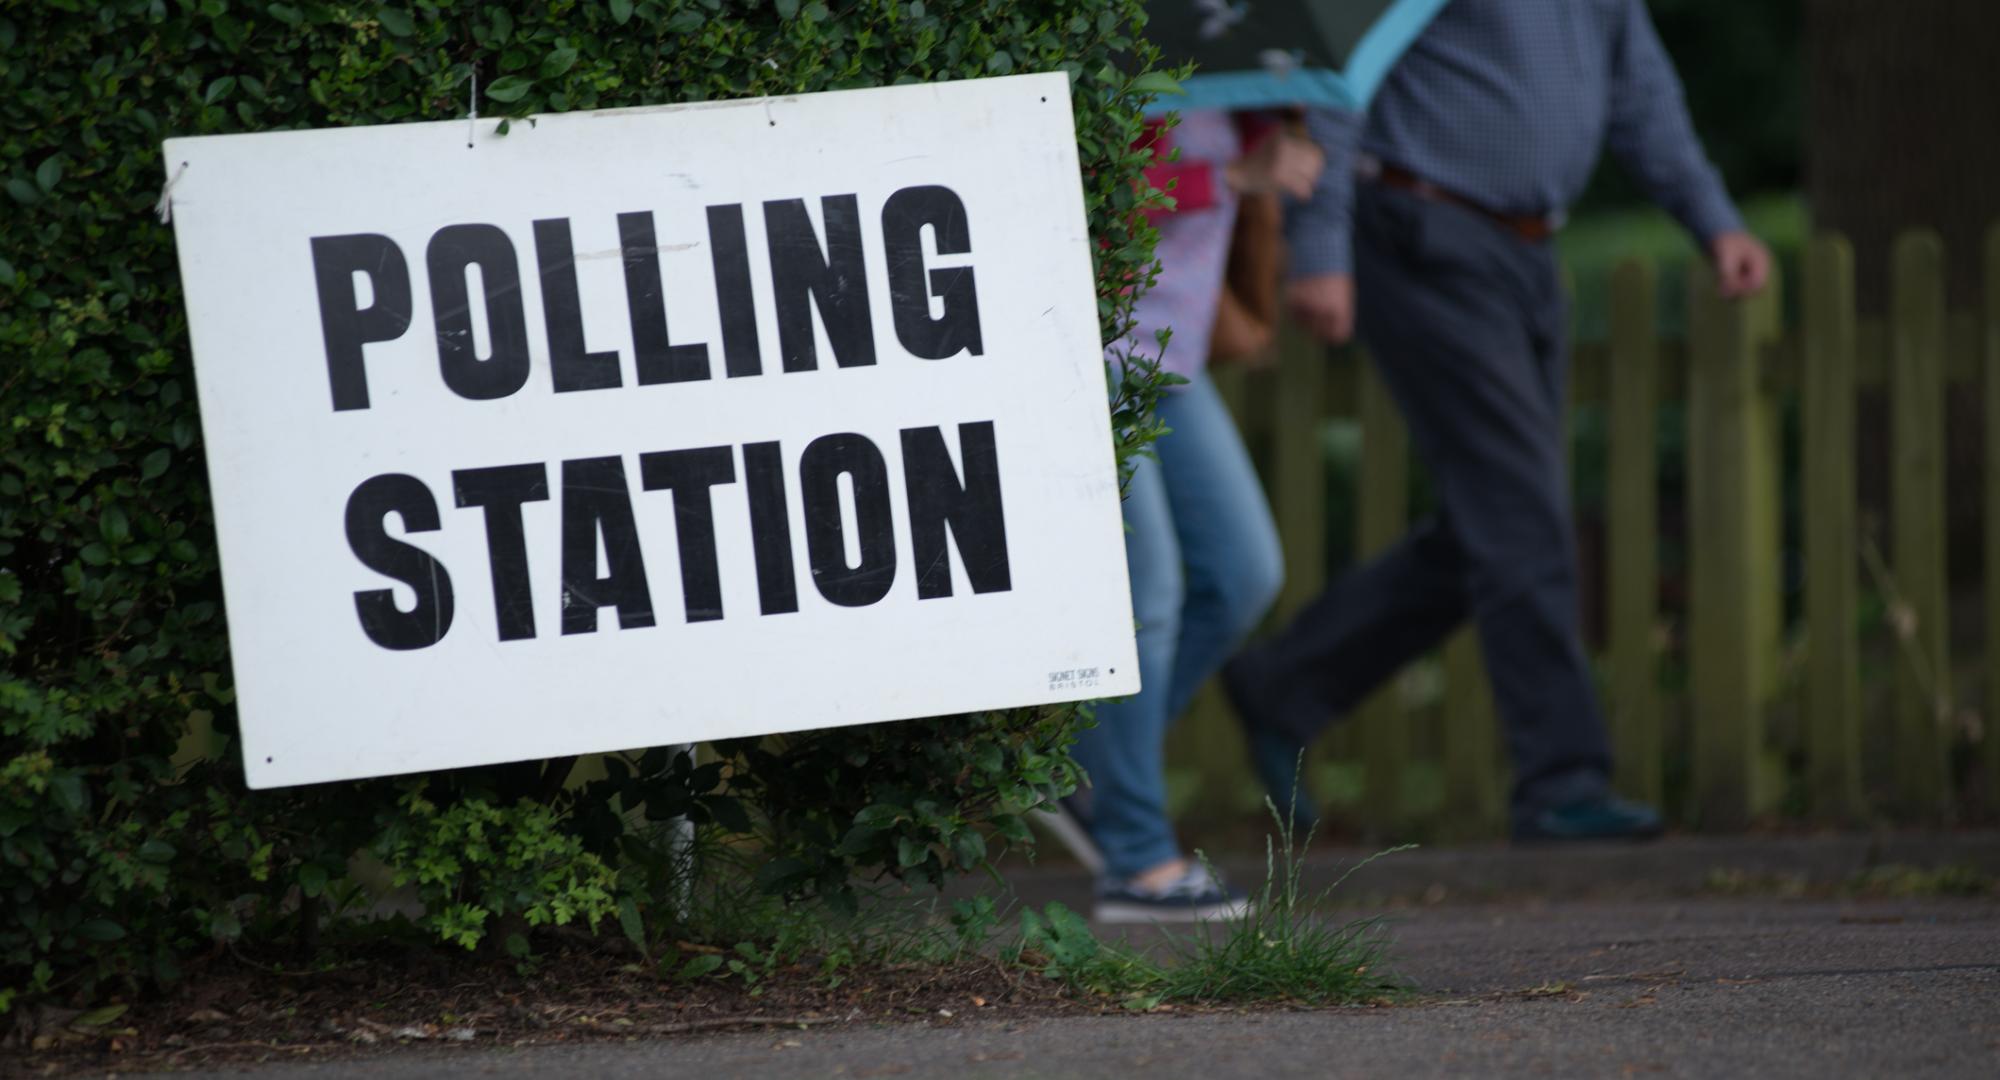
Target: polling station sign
651,426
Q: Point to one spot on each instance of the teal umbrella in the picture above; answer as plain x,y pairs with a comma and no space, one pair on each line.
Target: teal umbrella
1253,54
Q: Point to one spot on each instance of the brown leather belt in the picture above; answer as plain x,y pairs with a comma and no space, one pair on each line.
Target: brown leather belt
1532,229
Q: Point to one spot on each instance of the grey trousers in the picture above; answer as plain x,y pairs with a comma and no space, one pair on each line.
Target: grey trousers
1466,324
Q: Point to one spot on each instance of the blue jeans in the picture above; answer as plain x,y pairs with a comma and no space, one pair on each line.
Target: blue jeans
1205,565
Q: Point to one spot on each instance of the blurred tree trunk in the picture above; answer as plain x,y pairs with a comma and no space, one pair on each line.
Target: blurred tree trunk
1904,129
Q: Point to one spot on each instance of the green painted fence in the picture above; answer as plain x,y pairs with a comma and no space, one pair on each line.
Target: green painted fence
1722,707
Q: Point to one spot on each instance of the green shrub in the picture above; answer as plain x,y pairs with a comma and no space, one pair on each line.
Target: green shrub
473,862
126,836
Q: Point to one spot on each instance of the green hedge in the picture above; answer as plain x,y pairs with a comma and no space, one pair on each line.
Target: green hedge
127,838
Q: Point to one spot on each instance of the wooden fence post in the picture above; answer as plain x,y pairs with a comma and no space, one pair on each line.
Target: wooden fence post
1475,768
1767,537
1918,616
1232,384
1298,466
1832,692
1632,529
1990,318
1384,515
1732,468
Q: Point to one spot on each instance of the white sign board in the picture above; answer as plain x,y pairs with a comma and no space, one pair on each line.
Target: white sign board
652,426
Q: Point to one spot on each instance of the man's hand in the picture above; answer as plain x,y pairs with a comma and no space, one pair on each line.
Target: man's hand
1282,163
1324,303
1742,264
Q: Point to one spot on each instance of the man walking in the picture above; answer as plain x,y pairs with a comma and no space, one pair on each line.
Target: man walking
1441,202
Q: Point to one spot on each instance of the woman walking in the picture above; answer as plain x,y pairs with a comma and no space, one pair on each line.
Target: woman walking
1200,544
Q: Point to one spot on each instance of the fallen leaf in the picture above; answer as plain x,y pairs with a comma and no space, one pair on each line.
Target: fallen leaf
100,1017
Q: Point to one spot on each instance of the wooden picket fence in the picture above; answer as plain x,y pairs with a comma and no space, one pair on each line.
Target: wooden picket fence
1730,372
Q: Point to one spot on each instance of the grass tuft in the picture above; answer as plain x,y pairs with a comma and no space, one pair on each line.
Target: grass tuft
1279,953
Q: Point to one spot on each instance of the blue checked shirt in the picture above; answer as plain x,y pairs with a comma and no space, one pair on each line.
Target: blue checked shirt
1509,103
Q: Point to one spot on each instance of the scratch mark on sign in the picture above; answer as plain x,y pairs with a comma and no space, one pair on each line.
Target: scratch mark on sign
690,106
437,610
942,558
627,252
451,313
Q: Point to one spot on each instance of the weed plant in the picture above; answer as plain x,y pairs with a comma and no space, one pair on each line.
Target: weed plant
1278,953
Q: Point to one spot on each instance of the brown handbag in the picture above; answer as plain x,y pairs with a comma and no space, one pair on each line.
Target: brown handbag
1246,319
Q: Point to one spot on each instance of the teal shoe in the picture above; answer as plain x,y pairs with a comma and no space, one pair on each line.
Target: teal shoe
1601,817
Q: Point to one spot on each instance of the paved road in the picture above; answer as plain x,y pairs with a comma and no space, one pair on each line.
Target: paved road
1598,987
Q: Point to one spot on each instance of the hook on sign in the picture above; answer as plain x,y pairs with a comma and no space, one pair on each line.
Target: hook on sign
472,105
